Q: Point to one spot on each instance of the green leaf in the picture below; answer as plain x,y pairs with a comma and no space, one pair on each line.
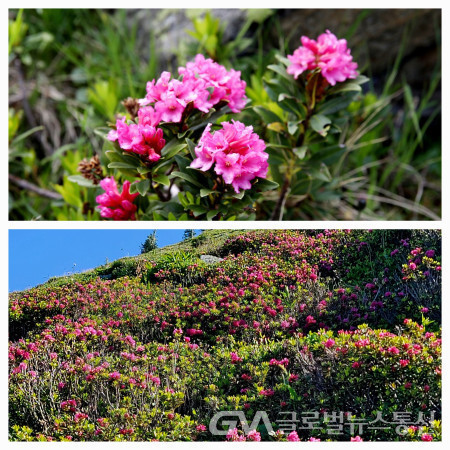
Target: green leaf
171,217
157,216
182,162
121,165
320,124
292,127
185,177
172,148
198,210
80,180
143,170
322,174
162,179
300,152
278,127
267,115
103,132
264,185
283,60
327,152
190,198
191,147
205,192
142,186
211,214
182,197
280,70
239,196
335,104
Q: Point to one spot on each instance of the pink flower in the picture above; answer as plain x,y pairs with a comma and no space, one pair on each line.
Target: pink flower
393,350
235,358
200,428
233,435
204,84
426,437
143,139
356,439
293,377
329,343
310,320
114,376
328,54
148,116
227,85
404,362
116,206
293,437
313,439
253,435
238,154
267,392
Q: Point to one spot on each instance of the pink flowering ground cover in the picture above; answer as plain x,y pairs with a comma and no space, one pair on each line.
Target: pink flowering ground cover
287,321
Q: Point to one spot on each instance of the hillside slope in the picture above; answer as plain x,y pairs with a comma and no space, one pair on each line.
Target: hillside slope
311,322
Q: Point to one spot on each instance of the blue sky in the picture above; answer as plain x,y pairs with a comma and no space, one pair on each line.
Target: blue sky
37,255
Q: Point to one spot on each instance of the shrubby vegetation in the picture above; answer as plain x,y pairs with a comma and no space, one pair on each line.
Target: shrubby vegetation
343,321
308,136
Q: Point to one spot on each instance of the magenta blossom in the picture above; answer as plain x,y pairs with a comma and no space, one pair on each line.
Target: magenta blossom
233,435
143,139
204,84
328,53
115,205
253,435
227,85
356,439
293,437
238,154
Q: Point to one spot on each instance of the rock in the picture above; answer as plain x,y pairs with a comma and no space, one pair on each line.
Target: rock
209,259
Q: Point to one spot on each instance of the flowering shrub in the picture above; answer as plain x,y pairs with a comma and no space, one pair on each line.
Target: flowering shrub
328,54
261,330
186,157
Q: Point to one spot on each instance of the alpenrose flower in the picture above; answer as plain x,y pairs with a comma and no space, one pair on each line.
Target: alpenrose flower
328,53
115,205
238,154
204,84
143,138
227,85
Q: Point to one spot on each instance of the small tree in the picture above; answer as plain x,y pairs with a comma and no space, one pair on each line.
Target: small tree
188,234
150,243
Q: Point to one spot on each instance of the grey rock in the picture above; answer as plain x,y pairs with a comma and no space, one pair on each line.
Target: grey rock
209,259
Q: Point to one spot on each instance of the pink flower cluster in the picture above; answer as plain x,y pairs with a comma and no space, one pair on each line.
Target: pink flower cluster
238,154
115,205
171,96
227,85
143,138
328,53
